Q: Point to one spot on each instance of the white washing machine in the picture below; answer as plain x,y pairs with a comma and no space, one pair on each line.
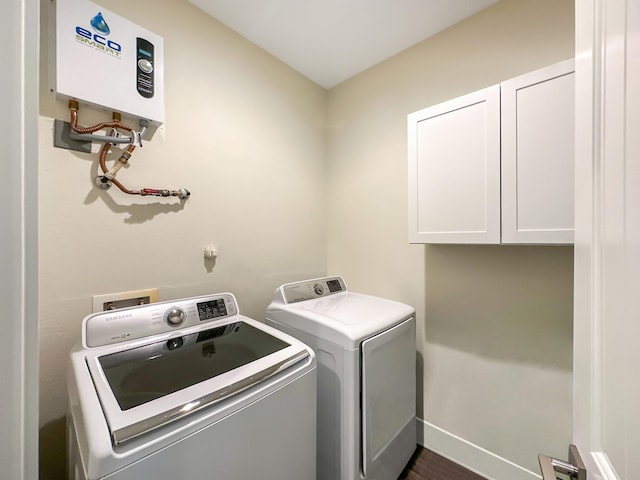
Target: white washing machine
366,356
190,389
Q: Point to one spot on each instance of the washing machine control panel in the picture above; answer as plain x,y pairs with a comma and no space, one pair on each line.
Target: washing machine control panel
115,326
310,289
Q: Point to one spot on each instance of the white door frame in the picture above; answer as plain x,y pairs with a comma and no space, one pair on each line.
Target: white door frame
606,199
19,33
19,36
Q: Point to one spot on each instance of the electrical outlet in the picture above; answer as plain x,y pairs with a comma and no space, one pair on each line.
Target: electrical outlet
113,301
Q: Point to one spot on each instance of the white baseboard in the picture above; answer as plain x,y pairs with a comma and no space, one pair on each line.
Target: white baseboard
470,456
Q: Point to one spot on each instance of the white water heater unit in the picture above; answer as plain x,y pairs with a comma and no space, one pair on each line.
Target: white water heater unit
106,61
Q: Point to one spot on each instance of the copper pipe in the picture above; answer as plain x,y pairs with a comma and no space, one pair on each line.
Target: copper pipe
183,193
73,109
103,166
124,158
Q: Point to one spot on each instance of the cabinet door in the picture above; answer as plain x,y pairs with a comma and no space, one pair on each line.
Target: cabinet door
538,156
454,170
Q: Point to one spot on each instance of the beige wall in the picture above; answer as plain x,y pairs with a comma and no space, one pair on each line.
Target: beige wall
494,322
247,136
244,133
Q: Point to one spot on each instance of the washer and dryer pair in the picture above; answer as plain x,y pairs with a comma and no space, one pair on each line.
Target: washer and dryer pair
366,357
192,389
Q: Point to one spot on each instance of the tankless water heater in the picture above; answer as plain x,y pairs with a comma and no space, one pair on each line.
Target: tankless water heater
106,61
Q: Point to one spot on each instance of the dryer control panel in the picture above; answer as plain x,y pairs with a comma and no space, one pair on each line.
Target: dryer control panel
115,326
310,289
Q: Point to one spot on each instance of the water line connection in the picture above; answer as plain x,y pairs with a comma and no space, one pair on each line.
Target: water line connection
132,137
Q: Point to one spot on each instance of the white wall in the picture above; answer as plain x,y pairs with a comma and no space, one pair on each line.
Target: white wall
494,322
244,133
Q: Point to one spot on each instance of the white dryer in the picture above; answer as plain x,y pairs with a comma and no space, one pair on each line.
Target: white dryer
190,389
366,355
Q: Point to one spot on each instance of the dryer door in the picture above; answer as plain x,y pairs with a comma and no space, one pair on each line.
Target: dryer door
388,400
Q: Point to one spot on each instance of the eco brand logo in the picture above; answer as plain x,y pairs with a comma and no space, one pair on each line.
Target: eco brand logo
99,25
97,39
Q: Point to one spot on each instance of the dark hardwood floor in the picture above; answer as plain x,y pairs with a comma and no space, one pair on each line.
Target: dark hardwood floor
427,465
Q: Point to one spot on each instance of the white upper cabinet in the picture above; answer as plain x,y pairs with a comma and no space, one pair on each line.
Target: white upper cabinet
537,156
496,165
454,170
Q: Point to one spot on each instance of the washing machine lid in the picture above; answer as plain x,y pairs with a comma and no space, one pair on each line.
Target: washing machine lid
342,317
152,382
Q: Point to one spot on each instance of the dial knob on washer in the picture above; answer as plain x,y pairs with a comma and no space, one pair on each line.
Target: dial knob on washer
175,316
318,289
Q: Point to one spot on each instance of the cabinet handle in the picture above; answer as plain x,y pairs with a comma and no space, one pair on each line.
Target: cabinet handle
574,468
